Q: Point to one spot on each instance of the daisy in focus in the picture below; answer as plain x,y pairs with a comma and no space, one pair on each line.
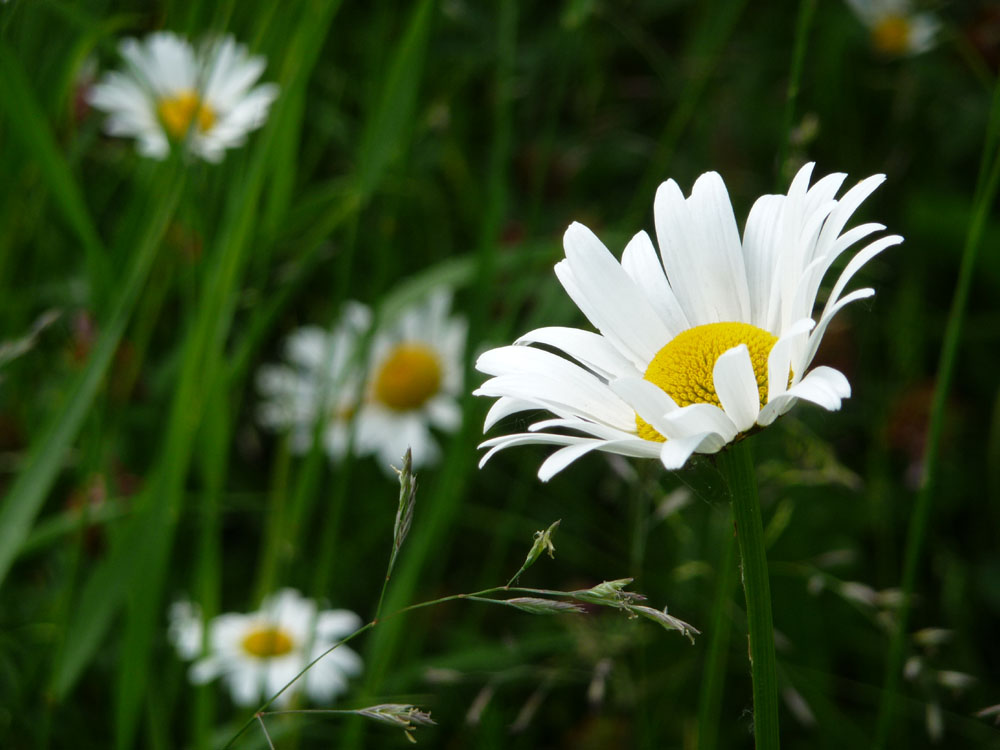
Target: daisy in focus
896,29
171,93
696,345
408,384
257,654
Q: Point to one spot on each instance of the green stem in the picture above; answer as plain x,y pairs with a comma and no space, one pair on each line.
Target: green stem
986,192
714,675
736,465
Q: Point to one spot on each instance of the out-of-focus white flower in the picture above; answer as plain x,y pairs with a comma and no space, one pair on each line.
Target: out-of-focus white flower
171,92
257,654
322,371
408,384
416,374
896,29
698,345
186,630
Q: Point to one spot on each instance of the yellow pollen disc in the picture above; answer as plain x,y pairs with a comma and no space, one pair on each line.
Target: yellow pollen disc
891,35
266,642
684,367
408,377
178,111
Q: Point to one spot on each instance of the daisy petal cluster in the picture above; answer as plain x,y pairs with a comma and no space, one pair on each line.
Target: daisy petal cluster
258,653
896,29
407,384
695,345
171,92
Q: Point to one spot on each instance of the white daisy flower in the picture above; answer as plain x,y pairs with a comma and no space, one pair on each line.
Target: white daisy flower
170,92
322,370
697,345
413,378
896,29
257,654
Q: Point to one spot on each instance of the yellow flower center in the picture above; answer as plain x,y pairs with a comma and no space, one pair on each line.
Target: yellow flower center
408,377
266,641
177,113
684,367
891,35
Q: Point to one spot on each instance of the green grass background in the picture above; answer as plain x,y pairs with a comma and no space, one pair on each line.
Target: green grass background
430,142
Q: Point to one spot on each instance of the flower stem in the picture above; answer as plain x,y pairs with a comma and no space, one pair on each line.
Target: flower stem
736,466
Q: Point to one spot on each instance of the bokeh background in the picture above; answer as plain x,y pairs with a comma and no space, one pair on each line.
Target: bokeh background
452,142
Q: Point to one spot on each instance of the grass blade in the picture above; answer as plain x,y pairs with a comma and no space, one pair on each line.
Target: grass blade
24,501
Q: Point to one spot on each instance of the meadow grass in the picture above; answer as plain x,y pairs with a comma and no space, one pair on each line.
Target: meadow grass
450,143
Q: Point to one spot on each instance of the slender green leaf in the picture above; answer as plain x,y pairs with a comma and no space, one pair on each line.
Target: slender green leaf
24,501
29,125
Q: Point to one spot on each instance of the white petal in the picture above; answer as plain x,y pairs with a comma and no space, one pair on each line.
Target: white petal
736,385
281,672
846,207
802,360
643,265
551,382
701,251
675,453
589,349
245,684
334,624
856,263
616,306
206,670
823,386
444,413
503,442
760,251
650,402
703,418
504,407
565,456
593,429
779,361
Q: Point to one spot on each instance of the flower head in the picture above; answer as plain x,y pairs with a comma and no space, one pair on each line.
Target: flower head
408,384
895,28
171,92
257,654
697,345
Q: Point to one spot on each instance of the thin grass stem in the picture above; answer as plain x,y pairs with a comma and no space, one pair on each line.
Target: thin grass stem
807,9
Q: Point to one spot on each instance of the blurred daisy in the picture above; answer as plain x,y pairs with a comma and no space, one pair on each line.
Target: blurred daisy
697,345
322,372
257,654
409,384
414,383
169,92
895,27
